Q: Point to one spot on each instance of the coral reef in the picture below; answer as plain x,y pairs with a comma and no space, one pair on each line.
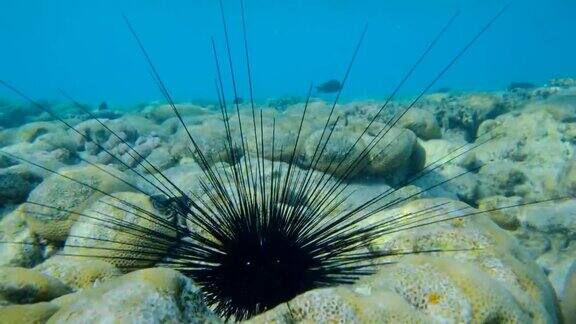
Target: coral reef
506,265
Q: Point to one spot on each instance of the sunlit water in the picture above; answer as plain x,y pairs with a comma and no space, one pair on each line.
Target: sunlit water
86,49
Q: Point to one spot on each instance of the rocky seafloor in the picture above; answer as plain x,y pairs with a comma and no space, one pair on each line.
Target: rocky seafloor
513,265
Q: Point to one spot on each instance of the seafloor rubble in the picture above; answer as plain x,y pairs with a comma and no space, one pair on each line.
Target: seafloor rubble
514,265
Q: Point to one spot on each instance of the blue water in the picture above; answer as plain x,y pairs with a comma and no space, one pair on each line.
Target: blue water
85,48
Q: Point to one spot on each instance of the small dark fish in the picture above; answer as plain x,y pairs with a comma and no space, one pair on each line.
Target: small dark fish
330,86
521,86
238,100
443,90
103,106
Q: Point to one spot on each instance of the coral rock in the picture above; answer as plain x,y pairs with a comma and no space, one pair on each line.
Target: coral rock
15,185
23,286
152,295
78,272
548,231
20,247
70,197
422,123
528,158
97,233
569,297
27,314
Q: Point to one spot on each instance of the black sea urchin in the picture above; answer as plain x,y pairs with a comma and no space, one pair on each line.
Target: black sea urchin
268,227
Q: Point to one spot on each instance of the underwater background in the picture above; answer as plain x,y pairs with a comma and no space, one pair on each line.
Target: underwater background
86,49
122,201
